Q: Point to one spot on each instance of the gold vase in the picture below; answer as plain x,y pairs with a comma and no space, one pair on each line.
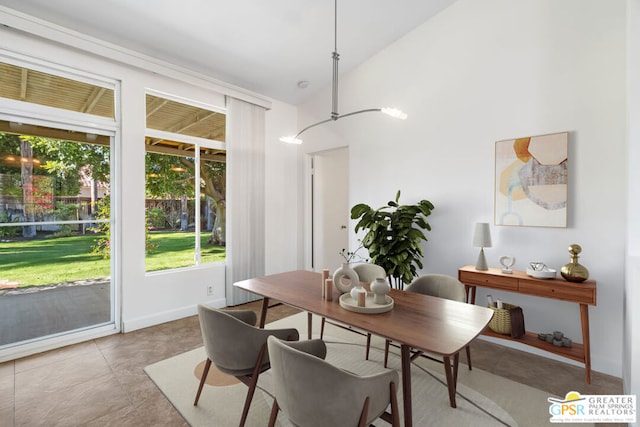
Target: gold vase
574,271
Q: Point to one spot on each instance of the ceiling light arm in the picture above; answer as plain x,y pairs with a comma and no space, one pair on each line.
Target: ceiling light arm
314,125
336,117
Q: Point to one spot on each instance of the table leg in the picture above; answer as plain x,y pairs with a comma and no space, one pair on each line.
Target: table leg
405,357
586,344
263,313
456,362
451,372
309,320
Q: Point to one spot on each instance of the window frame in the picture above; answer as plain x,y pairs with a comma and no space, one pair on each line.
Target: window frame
198,143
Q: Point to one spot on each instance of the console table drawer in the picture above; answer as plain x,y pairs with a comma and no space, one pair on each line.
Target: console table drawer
562,291
490,281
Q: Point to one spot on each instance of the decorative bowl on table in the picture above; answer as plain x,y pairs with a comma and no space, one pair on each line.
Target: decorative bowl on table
370,307
546,273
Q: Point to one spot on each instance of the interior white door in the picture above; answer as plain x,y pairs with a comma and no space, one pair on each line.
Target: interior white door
330,210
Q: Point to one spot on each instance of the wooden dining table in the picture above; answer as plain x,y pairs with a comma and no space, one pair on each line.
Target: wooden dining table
419,322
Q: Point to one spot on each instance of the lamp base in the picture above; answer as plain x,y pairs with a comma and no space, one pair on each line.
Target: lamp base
481,265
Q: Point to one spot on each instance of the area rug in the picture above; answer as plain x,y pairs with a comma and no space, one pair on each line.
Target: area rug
483,399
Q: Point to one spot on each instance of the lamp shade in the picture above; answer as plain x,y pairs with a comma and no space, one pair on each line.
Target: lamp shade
482,235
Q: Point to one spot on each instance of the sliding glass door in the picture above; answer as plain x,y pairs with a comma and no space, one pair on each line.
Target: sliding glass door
57,133
54,216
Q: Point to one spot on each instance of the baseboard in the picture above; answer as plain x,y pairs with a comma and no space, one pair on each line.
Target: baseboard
55,342
166,316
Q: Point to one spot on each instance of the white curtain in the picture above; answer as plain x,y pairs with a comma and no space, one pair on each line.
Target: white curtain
245,196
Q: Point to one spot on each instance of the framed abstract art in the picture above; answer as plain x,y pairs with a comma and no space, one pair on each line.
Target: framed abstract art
531,181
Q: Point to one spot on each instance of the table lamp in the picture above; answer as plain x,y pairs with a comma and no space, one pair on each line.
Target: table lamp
482,239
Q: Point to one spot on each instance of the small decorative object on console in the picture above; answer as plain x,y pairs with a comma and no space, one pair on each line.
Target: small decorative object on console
557,338
507,262
539,270
574,271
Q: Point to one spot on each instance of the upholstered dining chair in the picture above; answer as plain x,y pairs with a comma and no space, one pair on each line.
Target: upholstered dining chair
236,347
367,273
436,285
311,392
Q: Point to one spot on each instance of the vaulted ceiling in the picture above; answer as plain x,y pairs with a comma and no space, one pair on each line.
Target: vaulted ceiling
266,46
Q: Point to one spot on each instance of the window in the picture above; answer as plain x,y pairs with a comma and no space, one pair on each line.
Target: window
185,166
37,87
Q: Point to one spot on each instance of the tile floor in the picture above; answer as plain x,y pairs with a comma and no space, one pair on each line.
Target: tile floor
102,382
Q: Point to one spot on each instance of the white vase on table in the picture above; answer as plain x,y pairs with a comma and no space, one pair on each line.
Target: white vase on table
345,272
380,288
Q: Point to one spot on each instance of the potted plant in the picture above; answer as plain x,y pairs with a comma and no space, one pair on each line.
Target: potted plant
394,234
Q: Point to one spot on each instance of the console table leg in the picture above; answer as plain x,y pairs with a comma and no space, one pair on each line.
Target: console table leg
584,319
470,294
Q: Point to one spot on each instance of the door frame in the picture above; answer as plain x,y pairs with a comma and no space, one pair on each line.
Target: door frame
311,177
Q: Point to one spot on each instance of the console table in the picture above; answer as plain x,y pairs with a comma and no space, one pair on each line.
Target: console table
583,293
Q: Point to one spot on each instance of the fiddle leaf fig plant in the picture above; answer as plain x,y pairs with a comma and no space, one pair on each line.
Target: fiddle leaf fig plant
394,234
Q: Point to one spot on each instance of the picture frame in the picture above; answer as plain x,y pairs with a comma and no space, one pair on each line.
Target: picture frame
531,181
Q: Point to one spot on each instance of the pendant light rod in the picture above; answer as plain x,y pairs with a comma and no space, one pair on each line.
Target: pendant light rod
335,57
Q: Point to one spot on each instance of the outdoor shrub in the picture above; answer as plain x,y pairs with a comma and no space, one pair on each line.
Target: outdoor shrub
156,217
149,246
8,232
65,212
102,245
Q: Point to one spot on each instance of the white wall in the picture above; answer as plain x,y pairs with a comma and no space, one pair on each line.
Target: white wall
477,73
632,289
283,239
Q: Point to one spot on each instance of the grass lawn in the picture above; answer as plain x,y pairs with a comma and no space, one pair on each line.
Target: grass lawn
176,250
64,259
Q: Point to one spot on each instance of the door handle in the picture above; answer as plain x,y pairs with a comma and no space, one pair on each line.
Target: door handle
343,227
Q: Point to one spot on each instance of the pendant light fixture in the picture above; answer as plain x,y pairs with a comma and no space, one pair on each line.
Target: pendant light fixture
393,112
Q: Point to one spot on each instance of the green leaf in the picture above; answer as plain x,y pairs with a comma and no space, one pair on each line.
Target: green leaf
358,210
